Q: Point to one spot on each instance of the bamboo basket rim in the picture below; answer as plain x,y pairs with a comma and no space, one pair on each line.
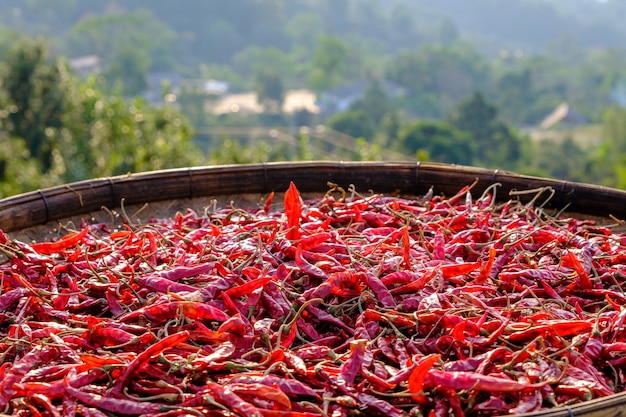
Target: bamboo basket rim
46,207
402,178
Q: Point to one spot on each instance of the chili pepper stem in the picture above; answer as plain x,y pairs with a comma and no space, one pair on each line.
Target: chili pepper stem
284,328
169,397
509,365
190,410
401,394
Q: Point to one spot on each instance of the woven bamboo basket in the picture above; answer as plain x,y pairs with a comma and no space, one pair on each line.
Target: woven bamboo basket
40,214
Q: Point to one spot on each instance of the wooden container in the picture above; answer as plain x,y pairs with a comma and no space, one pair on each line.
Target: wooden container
158,193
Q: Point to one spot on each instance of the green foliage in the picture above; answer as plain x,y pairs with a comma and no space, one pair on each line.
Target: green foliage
438,141
355,123
130,43
56,129
328,64
8,38
254,60
374,103
496,143
130,68
270,90
232,151
123,136
610,160
367,151
305,28
18,171
35,97
304,148
448,72
557,159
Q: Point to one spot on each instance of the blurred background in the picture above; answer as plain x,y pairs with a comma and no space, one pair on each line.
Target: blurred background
98,88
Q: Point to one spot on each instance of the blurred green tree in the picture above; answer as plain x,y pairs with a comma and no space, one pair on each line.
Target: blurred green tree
438,75
35,97
439,141
328,64
130,44
355,123
608,163
497,145
270,90
56,129
374,103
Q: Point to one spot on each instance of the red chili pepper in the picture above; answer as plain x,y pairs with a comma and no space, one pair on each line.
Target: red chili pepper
51,390
313,241
345,284
559,328
15,374
293,211
114,405
359,356
163,285
418,375
153,350
273,395
283,413
159,313
291,387
488,291
248,287
406,247
583,276
485,270
380,290
307,267
46,403
268,203
64,243
419,282
454,270
480,382
224,395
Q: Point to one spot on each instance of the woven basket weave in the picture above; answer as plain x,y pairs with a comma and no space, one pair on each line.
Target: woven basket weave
180,185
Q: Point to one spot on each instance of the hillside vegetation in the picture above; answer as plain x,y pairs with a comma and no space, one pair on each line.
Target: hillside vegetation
450,81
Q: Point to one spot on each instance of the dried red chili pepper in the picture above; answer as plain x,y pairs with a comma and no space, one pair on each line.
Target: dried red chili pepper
146,355
293,211
332,299
64,243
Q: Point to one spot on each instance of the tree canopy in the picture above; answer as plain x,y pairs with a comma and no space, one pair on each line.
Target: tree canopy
57,129
448,81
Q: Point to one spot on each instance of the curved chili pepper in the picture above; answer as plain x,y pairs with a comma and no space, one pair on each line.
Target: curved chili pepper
64,243
15,374
274,395
162,312
418,375
146,355
248,287
114,405
470,380
224,395
291,387
559,328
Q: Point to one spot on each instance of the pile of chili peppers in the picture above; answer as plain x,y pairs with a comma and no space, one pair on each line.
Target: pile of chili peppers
345,305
